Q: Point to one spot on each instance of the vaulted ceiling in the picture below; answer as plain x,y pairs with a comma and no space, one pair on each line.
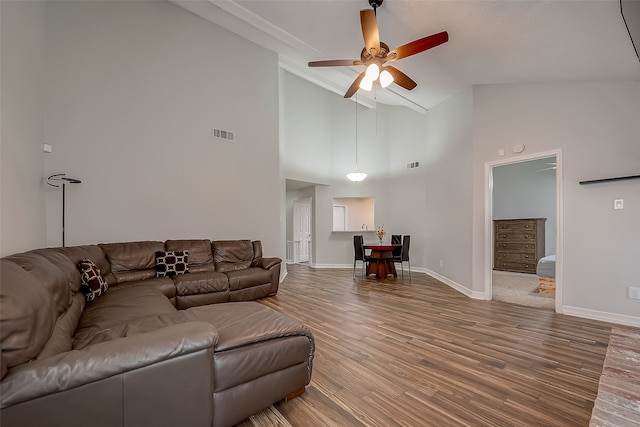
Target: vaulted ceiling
490,42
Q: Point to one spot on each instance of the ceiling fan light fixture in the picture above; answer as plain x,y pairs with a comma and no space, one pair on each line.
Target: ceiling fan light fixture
376,53
385,78
372,72
366,84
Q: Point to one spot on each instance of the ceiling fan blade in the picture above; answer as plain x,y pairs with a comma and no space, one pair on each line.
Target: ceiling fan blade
418,46
355,85
401,78
334,63
370,31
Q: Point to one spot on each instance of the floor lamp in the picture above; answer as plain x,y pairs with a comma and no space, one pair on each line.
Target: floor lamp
60,177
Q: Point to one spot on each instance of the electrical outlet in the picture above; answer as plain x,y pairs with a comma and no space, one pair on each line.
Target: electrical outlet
441,263
634,292
618,204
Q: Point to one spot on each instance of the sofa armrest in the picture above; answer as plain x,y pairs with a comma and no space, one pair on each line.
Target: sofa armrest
266,263
75,368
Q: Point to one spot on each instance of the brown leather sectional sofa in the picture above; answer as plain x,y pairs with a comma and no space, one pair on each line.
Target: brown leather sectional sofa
187,350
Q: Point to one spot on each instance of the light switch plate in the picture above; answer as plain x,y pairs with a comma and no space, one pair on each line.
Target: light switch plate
618,204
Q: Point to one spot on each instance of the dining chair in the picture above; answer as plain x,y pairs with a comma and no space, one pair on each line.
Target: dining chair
359,255
396,239
404,255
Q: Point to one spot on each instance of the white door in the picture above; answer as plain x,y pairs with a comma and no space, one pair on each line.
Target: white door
302,228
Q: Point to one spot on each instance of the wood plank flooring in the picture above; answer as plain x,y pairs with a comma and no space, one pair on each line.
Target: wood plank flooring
421,354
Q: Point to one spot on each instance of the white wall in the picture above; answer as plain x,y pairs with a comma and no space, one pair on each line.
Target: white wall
449,189
432,203
596,125
132,91
22,205
319,146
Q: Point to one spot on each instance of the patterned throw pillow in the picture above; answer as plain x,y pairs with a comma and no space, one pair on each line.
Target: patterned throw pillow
171,263
92,285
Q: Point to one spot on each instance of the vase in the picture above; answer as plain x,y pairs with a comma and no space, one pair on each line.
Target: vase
380,241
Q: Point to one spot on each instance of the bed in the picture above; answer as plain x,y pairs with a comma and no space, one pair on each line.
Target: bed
546,272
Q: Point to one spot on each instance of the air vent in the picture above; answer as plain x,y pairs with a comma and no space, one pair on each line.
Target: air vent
222,134
413,165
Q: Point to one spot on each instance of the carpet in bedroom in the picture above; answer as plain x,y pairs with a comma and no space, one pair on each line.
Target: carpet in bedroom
520,288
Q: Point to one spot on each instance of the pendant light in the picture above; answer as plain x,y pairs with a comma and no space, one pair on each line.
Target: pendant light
356,175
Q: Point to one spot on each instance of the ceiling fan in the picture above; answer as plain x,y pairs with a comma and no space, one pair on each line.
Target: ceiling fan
376,53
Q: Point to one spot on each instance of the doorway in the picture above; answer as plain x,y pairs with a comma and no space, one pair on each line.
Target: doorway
302,229
526,187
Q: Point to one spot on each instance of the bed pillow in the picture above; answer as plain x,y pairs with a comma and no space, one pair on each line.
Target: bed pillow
172,263
92,284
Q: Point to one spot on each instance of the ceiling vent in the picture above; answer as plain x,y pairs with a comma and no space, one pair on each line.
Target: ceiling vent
412,165
222,134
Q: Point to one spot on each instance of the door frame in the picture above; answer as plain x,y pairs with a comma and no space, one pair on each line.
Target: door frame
488,216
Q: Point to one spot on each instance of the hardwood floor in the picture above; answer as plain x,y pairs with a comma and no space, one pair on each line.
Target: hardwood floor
422,354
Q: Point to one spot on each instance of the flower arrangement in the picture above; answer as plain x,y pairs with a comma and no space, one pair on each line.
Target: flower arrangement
381,233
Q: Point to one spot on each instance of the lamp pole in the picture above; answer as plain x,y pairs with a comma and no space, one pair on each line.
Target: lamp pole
64,179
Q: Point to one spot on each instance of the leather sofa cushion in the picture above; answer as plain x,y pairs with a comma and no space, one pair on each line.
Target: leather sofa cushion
247,322
162,284
57,278
200,256
230,255
121,306
132,260
254,340
254,276
61,339
134,327
28,315
257,248
92,252
184,302
200,283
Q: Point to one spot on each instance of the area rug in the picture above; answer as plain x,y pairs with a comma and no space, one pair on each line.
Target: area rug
618,400
268,417
520,288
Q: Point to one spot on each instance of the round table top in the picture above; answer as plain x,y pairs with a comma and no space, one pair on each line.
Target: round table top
378,247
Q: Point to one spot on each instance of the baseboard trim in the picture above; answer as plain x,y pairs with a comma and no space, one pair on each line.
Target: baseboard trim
456,286
620,319
347,266
283,274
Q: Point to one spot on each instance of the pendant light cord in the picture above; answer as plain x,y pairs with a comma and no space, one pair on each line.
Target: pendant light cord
357,131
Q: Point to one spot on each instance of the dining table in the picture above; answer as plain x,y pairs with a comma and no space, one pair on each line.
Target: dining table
381,260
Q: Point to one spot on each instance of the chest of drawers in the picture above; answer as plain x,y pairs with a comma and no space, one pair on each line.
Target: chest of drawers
518,244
